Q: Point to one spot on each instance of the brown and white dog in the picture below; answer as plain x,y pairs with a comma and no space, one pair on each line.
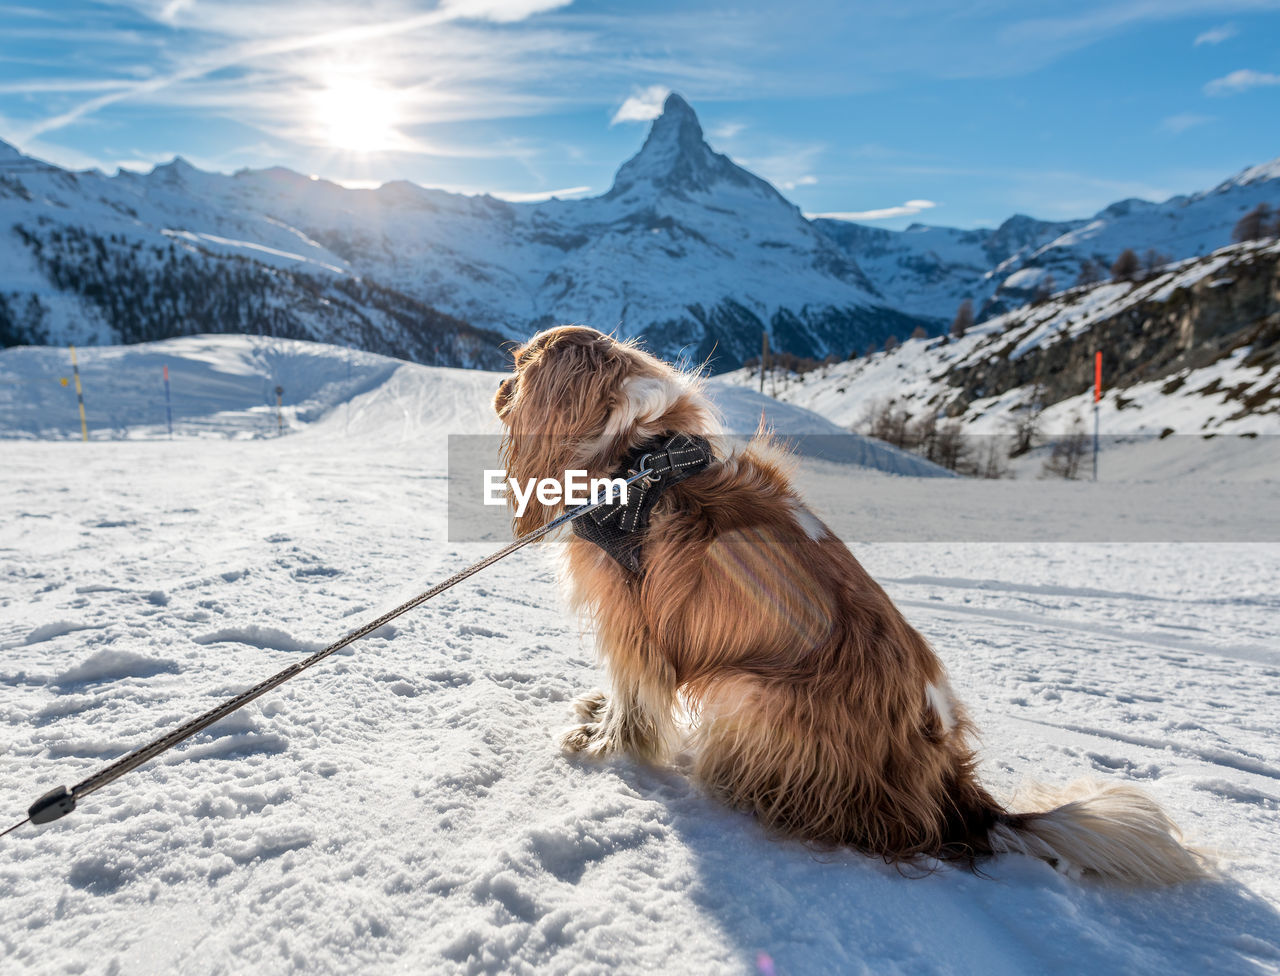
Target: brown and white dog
814,703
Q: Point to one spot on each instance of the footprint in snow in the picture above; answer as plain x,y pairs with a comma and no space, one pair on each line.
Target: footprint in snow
474,630
109,665
256,636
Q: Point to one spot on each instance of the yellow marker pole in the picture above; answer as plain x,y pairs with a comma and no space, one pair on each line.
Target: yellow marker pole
75,368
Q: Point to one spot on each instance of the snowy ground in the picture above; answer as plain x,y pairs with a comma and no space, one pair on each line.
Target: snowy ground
403,807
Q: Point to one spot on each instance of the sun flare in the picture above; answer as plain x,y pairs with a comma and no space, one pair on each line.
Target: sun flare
358,116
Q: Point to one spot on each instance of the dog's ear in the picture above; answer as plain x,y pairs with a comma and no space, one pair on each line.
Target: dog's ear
502,399
567,381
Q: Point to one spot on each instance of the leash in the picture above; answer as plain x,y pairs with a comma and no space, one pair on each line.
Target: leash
60,801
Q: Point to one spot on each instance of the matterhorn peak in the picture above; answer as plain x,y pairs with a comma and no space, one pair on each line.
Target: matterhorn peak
678,121
676,159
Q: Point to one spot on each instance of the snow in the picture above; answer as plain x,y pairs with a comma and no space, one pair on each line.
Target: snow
260,250
683,232
403,806
929,270
914,376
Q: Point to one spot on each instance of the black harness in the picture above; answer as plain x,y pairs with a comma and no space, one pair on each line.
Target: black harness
619,529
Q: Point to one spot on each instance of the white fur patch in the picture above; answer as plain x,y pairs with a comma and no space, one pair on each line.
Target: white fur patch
810,523
940,702
644,398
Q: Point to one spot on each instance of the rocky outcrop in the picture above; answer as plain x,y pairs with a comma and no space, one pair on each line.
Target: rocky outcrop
1179,328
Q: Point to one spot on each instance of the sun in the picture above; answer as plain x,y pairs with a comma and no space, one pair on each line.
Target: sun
358,115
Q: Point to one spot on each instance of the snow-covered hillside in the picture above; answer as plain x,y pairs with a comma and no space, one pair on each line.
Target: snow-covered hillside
92,260
224,386
404,808
1194,349
688,249
929,271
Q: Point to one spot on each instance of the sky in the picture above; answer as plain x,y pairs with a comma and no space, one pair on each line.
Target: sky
921,110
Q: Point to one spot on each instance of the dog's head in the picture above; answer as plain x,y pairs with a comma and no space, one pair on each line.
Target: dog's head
579,399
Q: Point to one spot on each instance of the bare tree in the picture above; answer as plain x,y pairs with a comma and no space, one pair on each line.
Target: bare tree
1153,261
924,436
1068,453
990,462
1045,288
1090,272
963,321
919,332
890,343
1127,266
952,448
1024,422
1254,225
889,424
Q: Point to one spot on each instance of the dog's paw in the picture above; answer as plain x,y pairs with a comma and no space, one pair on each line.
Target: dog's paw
589,738
590,707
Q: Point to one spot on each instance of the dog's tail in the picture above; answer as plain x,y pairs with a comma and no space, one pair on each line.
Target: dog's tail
1107,830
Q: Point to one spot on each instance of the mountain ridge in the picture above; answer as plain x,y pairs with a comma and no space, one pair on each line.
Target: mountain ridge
687,249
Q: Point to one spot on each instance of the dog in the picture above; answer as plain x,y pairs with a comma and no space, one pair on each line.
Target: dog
812,702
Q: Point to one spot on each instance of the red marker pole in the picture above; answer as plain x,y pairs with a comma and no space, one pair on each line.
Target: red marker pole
1097,395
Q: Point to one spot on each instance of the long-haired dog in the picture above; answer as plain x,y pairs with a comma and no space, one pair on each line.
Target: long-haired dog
815,704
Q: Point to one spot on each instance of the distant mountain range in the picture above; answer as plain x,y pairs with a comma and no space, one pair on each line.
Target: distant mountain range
928,271
687,249
1192,349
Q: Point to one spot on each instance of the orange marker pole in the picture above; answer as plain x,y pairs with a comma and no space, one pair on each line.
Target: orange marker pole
1097,395
75,368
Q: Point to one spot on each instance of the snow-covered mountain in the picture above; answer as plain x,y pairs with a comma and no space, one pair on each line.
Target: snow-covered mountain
687,249
89,259
929,271
1193,349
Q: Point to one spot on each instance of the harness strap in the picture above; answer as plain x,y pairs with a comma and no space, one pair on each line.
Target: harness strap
619,529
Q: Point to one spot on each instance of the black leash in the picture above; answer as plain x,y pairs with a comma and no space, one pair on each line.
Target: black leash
60,801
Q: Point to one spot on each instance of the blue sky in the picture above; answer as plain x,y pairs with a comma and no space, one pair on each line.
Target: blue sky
920,110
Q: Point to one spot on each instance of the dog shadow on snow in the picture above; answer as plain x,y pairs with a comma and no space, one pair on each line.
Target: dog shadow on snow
787,908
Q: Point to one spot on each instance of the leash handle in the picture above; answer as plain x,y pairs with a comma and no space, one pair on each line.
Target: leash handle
60,801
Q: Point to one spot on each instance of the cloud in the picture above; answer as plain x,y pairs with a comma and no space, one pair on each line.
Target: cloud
500,11
1239,81
727,130
539,195
642,106
784,162
903,210
174,7
1184,121
1216,35
62,85
343,38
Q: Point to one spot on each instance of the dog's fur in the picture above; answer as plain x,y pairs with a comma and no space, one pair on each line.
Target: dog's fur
817,705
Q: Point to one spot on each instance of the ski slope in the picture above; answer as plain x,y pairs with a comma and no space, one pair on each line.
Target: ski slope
403,807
